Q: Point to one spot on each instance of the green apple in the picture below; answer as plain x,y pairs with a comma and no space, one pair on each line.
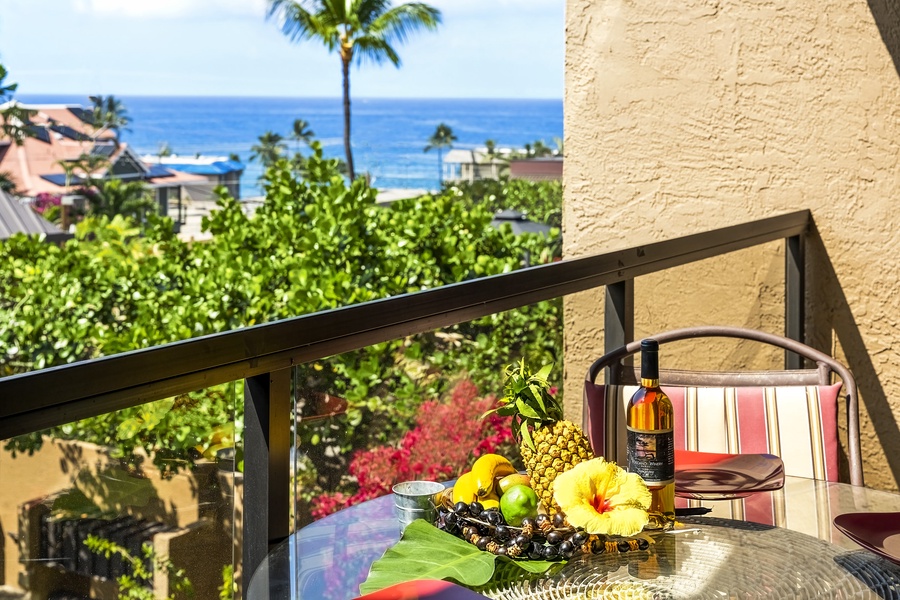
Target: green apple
517,503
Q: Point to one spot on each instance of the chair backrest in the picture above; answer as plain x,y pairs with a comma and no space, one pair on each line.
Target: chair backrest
789,413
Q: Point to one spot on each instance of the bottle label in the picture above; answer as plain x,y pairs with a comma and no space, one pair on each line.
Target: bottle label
651,454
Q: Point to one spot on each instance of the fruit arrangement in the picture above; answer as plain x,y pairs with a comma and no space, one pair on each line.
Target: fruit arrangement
508,513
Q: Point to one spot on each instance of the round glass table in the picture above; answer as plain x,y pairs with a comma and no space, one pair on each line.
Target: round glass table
779,544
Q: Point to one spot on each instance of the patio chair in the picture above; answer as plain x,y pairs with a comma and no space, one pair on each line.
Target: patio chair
789,413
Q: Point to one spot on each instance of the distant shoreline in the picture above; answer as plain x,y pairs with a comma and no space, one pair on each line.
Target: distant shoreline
389,135
83,98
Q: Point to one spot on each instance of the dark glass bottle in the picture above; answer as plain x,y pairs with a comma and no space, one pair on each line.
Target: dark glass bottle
651,438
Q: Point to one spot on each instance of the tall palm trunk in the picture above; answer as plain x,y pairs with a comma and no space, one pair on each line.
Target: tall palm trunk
345,63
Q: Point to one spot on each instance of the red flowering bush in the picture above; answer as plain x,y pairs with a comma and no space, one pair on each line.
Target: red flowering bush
446,438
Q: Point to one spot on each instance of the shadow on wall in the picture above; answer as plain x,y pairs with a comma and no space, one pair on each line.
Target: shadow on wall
836,318
887,17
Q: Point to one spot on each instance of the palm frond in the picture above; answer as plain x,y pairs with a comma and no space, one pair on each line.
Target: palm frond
300,24
376,50
368,11
398,23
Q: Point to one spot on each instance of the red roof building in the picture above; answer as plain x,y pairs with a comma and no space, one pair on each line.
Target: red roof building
63,134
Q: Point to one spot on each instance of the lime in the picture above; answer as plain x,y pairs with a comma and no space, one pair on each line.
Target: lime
517,503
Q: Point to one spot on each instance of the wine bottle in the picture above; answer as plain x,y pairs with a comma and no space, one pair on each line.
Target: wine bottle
651,438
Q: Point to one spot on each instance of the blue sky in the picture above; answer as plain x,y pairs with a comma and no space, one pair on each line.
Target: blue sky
484,49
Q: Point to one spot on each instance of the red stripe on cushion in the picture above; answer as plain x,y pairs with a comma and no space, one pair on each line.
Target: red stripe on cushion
751,413
828,409
676,395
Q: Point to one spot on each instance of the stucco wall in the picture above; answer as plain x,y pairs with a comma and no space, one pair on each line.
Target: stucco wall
690,115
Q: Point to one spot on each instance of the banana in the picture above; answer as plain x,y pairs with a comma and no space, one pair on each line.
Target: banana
486,469
465,488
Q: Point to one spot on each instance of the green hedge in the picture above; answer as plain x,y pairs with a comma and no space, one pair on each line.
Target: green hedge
317,243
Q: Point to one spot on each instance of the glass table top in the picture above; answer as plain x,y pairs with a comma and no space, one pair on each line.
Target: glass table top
779,544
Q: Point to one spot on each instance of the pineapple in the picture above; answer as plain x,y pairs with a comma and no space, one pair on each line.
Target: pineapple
549,444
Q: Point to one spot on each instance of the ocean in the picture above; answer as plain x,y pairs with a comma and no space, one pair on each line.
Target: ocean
388,135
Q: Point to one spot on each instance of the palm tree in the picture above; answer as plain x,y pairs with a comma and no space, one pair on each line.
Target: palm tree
92,169
14,118
540,149
302,133
559,145
164,150
441,138
109,114
361,29
490,147
270,148
117,197
8,183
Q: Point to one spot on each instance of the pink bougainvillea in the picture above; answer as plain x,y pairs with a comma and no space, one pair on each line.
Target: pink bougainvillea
446,437
45,200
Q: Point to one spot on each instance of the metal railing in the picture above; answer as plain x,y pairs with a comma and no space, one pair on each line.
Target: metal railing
264,354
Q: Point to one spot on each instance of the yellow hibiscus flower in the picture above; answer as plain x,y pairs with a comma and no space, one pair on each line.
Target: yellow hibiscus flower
602,497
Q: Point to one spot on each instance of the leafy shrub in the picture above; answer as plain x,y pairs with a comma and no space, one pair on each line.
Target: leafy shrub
316,244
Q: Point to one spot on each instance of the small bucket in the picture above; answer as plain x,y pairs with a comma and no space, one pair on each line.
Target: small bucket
416,500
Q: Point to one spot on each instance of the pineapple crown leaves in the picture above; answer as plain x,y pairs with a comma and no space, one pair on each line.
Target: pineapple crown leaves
527,399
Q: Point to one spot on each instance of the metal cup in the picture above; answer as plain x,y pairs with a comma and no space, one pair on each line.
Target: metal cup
416,500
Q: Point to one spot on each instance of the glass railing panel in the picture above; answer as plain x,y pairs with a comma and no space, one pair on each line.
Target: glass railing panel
146,497
412,408
407,409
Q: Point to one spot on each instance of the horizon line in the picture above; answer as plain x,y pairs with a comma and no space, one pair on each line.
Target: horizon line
252,97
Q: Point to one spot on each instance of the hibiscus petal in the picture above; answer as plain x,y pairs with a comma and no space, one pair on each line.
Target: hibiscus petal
631,491
574,486
627,521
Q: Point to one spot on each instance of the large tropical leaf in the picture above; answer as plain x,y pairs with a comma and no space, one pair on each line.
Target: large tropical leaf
426,552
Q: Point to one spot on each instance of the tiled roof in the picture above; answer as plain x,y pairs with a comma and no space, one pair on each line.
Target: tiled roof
63,136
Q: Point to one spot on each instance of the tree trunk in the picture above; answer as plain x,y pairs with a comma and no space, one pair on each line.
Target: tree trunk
440,167
346,69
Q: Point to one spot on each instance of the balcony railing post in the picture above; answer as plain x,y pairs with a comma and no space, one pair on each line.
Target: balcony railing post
794,295
618,317
267,466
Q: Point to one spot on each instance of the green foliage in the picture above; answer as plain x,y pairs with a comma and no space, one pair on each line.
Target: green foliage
316,244
134,585
541,201
229,589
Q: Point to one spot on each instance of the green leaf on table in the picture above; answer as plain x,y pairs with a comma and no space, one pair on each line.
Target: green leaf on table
426,552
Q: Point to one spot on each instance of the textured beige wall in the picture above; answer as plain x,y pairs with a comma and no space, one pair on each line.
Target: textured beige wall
690,115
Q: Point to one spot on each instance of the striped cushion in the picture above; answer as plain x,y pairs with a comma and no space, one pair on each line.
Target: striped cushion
797,423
